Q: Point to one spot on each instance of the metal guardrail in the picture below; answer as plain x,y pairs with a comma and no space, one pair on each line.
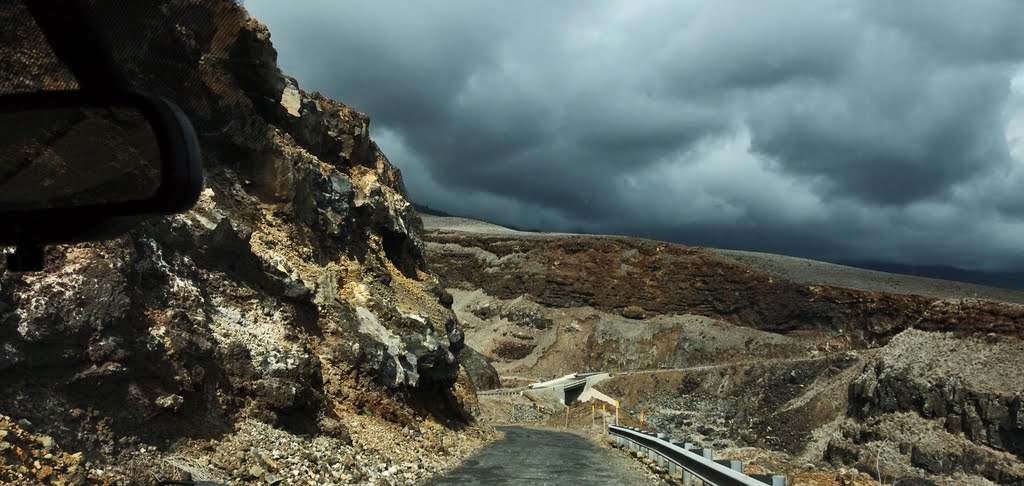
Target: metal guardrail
501,392
694,462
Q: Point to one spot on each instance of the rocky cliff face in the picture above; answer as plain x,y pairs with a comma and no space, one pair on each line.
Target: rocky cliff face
969,391
293,296
633,276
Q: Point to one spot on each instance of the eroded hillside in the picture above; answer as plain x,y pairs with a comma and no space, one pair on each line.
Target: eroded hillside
285,329
801,378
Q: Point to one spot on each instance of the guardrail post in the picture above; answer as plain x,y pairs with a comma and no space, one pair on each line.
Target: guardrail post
703,452
734,465
661,460
673,469
687,477
770,479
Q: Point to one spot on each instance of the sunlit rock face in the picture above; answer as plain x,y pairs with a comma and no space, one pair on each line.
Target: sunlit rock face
293,293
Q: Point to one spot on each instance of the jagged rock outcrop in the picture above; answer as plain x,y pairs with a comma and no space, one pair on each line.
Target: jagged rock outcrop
953,382
481,373
901,447
939,404
991,418
294,293
519,312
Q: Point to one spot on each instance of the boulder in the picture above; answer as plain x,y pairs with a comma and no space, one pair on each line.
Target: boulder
634,312
481,373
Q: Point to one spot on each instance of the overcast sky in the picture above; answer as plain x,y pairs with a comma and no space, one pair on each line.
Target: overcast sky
837,129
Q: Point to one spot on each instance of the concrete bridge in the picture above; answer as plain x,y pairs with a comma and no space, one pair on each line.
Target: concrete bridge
576,387
568,389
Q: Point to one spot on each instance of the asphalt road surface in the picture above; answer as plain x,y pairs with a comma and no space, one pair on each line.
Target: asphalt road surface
537,456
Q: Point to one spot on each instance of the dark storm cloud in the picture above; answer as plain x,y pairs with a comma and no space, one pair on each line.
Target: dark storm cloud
866,129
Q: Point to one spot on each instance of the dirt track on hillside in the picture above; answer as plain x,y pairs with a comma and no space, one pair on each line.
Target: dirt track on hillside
811,272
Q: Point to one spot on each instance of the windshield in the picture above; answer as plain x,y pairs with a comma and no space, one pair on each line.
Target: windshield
525,243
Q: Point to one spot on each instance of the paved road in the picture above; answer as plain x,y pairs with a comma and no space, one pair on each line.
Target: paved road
536,456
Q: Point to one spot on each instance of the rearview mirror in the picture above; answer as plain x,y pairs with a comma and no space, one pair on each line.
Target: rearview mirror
59,158
76,166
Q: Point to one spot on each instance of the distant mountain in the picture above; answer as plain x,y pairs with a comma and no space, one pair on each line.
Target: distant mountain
1006,280
422,209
